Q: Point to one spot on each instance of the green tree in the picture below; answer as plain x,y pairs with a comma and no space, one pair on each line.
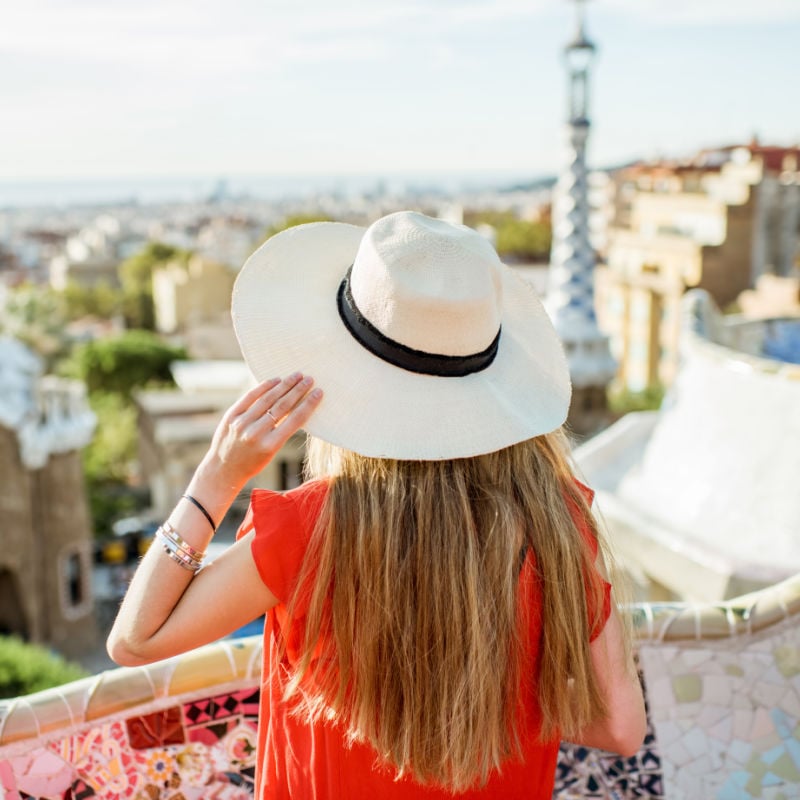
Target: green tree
120,364
35,315
524,240
622,400
108,462
101,300
136,277
110,454
516,238
112,369
27,668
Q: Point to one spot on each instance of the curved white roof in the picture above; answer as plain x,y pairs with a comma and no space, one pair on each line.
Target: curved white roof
715,475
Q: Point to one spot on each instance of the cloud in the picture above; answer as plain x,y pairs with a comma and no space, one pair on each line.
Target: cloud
706,12
237,34
233,35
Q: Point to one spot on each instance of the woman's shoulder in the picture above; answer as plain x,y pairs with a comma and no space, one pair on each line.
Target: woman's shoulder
305,500
270,509
311,487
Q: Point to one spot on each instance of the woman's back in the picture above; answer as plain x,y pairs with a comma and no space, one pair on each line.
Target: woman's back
424,579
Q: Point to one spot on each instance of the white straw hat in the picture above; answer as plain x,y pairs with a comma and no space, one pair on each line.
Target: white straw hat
427,347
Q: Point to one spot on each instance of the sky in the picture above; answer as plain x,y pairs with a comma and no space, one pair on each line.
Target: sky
112,88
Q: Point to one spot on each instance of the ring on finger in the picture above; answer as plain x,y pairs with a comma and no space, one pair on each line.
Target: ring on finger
274,419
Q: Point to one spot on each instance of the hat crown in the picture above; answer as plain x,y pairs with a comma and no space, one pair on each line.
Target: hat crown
428,285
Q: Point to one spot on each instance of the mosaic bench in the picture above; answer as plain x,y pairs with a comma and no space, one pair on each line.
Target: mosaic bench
722,685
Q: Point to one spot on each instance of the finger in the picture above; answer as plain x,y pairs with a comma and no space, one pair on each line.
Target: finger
300,414
286,401
260,405
250,396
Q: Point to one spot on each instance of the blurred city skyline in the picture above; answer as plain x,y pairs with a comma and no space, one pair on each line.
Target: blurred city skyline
102,91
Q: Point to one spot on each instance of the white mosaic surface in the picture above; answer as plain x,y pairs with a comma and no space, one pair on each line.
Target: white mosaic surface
726,715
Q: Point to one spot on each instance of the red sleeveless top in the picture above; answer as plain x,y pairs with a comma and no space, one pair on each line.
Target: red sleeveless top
313,762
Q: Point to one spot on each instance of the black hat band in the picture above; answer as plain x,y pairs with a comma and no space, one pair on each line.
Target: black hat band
369,337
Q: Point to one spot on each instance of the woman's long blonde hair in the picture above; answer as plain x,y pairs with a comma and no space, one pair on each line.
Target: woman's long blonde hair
414,641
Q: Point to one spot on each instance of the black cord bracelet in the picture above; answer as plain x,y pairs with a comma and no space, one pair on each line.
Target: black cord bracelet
199,506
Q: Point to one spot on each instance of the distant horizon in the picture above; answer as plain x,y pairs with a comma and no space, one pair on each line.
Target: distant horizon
152,189
414,173
147,188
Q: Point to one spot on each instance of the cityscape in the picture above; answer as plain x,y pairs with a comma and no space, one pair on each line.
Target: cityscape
673,281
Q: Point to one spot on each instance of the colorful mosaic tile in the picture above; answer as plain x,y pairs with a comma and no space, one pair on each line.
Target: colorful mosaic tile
207,749
37,773
724,724
147,757
157,729
209,709
104,759
727,714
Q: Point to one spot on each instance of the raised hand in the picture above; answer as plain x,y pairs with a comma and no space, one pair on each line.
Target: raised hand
255,427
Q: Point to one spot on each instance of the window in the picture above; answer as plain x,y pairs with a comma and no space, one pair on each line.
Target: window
74,582
12,613
74,571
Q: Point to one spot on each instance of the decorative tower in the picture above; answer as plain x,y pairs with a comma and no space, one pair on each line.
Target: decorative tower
570,294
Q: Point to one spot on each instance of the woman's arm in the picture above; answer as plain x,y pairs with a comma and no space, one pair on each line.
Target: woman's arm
623,729
168,609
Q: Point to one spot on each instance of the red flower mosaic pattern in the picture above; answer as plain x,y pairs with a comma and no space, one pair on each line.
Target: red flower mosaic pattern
196,751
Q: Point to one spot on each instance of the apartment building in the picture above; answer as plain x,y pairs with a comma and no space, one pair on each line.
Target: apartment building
717,222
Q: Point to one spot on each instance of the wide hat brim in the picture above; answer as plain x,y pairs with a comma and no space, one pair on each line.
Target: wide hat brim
286,318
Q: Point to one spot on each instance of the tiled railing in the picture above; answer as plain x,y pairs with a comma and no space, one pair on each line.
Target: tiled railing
722,684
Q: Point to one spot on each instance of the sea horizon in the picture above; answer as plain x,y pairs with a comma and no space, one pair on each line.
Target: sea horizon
18,193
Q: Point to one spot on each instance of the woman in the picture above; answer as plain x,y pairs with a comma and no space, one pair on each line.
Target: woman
438,617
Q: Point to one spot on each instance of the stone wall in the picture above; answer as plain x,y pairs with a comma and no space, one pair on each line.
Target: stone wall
65,560
21,613
46,558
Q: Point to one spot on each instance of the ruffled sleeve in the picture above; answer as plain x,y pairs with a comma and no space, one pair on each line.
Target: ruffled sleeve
283,524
